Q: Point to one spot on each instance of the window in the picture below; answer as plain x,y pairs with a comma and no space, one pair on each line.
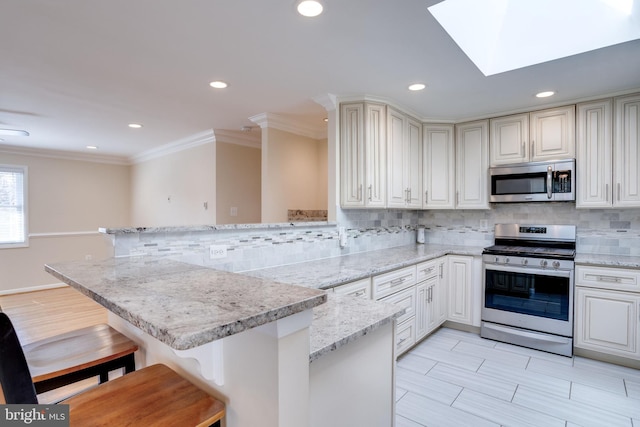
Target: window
13,212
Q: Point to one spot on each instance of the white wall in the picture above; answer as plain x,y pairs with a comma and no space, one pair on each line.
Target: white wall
68,200
238,171
171,190
294,174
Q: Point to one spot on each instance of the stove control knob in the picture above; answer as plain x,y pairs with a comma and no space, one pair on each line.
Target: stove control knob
525,261
543,263
556,264
497,260
506,261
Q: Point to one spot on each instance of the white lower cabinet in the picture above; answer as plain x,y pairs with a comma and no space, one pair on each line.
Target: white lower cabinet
460,289
606,317
359,288
430,295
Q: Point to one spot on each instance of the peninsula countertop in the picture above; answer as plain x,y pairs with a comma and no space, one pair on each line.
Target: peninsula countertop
184,305
331,272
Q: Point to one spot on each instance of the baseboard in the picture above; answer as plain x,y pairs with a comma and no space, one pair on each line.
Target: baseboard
33,289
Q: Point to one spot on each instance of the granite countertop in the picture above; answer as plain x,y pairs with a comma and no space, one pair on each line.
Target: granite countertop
330,272
184,305
608,260
220,227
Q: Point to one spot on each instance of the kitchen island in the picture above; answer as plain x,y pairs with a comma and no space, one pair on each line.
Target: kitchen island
247,340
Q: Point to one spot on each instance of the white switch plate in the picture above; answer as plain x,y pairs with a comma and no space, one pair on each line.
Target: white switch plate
217,251
233,211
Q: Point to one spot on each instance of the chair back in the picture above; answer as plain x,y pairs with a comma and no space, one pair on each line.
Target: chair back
15,377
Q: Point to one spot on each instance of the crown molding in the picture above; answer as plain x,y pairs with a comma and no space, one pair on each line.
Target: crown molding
276,121
247,139
64,155
192,141
328,101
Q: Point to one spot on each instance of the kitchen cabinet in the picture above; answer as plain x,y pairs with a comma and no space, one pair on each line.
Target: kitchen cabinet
607,307
626,134
533,137
472,164
430,295
399,287
608,157
359,288
404,161
594,154
363,153
460,289
509,139
438,166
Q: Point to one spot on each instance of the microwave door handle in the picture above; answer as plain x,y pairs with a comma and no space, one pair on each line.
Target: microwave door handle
549,183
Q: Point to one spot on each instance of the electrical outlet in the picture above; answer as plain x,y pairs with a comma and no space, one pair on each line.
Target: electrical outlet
233,211
217,251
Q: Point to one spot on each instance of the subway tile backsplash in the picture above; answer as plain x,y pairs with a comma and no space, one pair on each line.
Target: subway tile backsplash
608,232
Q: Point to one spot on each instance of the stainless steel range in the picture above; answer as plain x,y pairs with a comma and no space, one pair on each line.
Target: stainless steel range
528,287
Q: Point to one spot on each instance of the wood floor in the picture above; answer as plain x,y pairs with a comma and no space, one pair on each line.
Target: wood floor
41,314
456,378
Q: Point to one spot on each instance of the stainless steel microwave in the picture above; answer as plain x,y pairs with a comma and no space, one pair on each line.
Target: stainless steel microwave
553,181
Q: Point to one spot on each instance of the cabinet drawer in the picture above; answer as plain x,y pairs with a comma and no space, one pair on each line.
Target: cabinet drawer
359,288
405,299
427,269
621,279
405,335
389,283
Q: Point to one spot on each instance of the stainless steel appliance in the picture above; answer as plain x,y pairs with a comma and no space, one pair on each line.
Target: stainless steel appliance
534,182
528,287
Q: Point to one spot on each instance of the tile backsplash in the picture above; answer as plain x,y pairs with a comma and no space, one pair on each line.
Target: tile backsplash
609,232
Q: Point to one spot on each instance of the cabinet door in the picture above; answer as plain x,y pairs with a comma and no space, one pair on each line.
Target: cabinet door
422,310
627,151
413,163
607,321
438,167
552,134
397,190
460,291
472,165
352,160
441,293
509,139
593,155
376,155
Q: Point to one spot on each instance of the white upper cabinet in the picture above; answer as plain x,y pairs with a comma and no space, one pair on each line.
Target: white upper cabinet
510,139
594,154
552,134
472,165
627,151
404,161
608,154
363,155
438,167
533,137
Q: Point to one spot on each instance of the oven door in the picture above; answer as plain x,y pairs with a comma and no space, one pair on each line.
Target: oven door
529,298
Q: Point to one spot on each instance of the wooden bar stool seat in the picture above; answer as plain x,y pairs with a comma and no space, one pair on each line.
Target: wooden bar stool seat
77,355
153,396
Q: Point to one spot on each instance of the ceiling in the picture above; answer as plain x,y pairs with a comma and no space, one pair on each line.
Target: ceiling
76,72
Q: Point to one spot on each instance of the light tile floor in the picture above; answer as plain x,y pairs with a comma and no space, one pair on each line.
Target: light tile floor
458,379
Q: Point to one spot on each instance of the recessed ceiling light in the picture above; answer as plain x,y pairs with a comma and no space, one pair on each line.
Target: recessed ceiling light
218,84
545,94
135,125
14,132
417,86
310,8
326,119
92,147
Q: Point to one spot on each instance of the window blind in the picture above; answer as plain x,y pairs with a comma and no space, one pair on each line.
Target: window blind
12,205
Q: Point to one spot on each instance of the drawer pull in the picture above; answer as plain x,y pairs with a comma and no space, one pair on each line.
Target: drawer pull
401,341
358,293
428,270
397,282
612,279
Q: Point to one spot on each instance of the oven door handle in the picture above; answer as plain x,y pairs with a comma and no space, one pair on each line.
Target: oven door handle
525,270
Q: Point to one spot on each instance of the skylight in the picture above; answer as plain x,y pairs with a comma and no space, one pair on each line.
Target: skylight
504,35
